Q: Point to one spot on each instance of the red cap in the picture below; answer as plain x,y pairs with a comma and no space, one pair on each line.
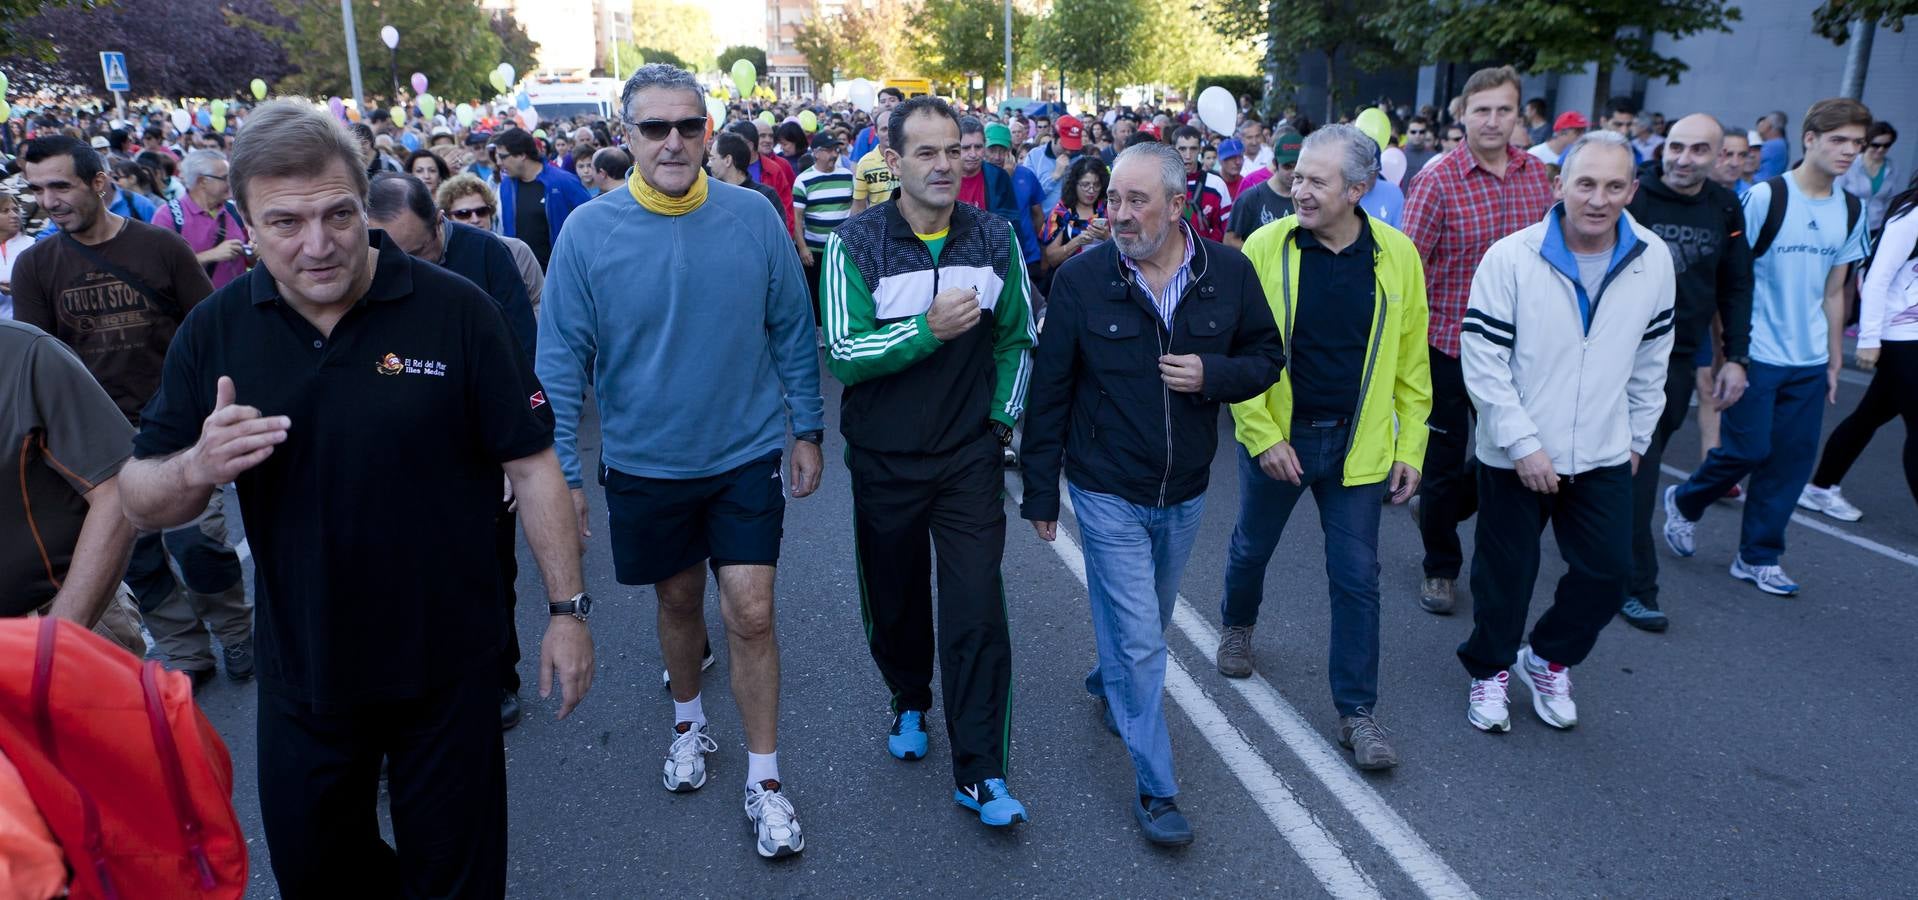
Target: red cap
1570,119
1072,135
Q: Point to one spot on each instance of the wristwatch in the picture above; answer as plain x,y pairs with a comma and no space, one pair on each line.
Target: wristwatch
1003,433
579,607
1744,362
814,437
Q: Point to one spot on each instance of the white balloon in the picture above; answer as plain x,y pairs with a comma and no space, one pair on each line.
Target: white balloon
1218,110
1392,165
862,94
181,119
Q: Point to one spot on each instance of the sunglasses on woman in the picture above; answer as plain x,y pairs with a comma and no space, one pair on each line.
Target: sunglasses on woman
692,129
477,212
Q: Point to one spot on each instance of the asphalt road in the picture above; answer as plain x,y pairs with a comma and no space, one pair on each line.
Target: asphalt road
1756,749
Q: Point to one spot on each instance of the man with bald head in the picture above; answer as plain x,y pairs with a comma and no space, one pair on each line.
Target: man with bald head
1703,225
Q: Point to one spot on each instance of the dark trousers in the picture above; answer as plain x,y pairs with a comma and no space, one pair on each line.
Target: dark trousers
812,284
1770,434
1591,517
1349,517
1645,499
319,795
506,547
956,499
1446,494
1893,393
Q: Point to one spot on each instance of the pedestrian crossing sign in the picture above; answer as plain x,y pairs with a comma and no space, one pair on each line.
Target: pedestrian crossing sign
114,67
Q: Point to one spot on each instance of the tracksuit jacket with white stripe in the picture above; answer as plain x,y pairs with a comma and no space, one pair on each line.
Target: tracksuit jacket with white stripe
1549,367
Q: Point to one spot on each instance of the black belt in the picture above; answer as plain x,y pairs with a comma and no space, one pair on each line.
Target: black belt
1322,423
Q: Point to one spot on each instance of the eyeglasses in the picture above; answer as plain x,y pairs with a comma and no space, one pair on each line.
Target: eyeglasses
1415,132
1879,145
475,212
691,129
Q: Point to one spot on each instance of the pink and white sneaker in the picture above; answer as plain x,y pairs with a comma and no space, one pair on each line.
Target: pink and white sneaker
1488,707
1551,686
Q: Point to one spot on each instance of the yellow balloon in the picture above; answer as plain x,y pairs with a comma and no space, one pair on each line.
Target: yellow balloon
219,123
6,112
259,89
1376,125
809,120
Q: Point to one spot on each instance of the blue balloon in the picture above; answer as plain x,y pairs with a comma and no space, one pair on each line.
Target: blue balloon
523,102
204,119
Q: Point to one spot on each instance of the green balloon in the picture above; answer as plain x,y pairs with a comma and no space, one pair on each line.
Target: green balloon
428,105
259,89
809,121
498,80
744,76
3,82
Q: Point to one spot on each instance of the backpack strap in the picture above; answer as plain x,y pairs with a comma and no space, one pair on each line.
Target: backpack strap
1774,215
1853,209
179,216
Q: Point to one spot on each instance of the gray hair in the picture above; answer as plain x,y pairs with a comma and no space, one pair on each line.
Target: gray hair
659,75
197,165
1360,161
1777,119
970,125
1592,138
582,134
292,137
1171,164
1731,132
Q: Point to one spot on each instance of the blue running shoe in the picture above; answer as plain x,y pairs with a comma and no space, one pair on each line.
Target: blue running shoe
993,803
908,738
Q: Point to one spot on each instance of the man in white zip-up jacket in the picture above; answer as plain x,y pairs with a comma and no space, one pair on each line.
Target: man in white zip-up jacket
1564,348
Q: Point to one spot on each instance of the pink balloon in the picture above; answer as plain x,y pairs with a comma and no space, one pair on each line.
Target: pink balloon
419,82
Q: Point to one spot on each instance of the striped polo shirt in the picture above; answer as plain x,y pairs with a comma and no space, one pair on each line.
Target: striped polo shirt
824,199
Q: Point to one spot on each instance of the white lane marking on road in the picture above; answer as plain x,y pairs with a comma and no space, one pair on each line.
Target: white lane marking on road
1310,839
1423,865
1865,543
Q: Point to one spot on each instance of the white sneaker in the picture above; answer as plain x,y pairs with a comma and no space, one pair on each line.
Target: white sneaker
1551,686
1770,579
1487,710
1830,501
1678,529
685,768
774,823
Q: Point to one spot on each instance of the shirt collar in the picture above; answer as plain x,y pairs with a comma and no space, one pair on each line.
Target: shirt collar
1184,263
392,275
1310,241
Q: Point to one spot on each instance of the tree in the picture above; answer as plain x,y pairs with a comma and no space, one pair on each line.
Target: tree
1337,28
1094,38
659,55
818,40
452,43
629,58
19,40
683,29
515,46
870,43
1179,45
174,47
1832,20
752,55
1551,36
954,39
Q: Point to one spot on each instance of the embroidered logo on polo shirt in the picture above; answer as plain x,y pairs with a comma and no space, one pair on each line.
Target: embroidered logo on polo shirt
392,364
538,399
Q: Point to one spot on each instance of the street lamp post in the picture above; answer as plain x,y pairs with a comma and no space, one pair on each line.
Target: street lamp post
1008,30
352,53
390,36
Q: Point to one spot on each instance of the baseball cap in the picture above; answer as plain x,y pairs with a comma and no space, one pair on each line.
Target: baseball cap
824,139
1231,147
442,131
1286,147
99,142
1570,119
998,135
1072,135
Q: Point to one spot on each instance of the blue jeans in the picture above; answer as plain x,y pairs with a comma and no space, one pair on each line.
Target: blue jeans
1771,434
1134,556
1349,516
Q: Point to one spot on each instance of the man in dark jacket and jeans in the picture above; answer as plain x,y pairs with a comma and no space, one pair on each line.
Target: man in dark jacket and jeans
1146,336
1704,226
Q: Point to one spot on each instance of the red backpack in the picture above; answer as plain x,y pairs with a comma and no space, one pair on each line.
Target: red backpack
132,780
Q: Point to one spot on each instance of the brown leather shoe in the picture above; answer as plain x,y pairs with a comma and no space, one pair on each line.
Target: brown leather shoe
1436,595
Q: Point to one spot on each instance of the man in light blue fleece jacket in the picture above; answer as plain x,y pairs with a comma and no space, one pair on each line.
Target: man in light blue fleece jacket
684,298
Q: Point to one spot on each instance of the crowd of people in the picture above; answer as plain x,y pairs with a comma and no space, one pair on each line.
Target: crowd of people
1487,311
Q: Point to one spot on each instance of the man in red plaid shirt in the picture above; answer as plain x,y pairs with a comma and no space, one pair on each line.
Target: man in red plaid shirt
1475,194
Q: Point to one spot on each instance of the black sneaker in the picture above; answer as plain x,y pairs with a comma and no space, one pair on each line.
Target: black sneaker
1644,616
200,678
705,662
509,711
239,660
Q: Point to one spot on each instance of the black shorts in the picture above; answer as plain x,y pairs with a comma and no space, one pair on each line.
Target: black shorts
662,527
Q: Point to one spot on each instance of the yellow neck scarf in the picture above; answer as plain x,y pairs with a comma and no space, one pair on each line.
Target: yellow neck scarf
654,201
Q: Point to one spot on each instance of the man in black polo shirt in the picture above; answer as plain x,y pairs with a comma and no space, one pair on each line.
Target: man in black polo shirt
401,206
382,397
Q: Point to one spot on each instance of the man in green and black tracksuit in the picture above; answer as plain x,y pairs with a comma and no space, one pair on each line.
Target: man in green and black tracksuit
926,310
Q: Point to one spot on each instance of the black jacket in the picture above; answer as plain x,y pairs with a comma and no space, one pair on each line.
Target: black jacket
1097,404
1711,255
481,258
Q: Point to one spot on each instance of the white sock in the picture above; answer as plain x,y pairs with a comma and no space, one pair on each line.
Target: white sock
761,766
690,711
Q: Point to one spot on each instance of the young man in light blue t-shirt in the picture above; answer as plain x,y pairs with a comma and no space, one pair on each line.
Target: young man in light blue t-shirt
1798,314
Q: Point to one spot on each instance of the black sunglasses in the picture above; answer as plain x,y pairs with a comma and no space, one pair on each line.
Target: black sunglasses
692,129
1875,145
477,212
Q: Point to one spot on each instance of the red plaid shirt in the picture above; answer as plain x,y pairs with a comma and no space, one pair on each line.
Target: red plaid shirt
1455,212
